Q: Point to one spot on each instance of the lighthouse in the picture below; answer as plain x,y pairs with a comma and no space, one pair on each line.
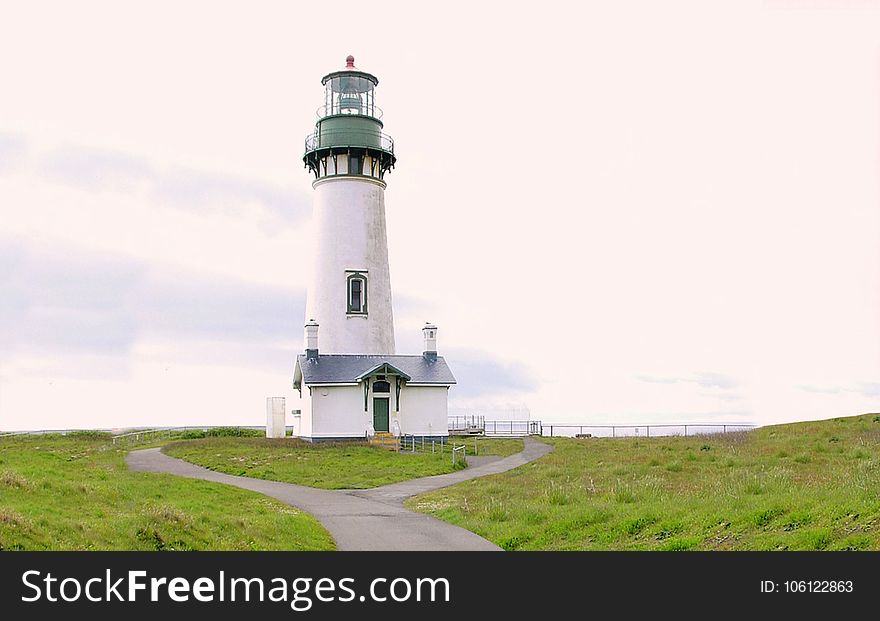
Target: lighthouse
351,383
349,291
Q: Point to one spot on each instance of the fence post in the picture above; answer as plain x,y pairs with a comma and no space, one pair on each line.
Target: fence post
685,431
613,432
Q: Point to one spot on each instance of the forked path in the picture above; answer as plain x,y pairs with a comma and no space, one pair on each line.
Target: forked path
370,519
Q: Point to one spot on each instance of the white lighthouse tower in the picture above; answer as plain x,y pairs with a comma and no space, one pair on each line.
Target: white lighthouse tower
349,292
351,382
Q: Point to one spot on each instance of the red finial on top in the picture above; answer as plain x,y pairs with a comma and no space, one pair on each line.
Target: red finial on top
349,62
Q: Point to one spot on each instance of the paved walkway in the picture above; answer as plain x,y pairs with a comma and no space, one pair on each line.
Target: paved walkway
370,519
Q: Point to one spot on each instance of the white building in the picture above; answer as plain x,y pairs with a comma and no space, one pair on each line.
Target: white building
358,395
357,386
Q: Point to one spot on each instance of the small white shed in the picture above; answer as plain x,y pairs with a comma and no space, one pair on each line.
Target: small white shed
348,396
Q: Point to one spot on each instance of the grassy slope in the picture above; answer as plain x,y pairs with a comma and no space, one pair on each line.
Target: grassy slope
328,466
803,486
74,492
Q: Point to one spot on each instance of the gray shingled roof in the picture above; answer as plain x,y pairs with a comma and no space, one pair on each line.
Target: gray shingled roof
348,368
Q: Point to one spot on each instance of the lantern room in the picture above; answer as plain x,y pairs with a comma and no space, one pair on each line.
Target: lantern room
350,91
348,138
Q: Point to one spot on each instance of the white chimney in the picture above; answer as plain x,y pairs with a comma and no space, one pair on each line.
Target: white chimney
312,340
430,334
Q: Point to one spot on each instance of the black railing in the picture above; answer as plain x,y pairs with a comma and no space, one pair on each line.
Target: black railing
350,138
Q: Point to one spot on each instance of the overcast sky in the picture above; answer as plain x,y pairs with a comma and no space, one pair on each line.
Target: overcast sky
614,211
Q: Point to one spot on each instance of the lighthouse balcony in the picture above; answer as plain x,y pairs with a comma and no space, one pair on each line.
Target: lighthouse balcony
325,138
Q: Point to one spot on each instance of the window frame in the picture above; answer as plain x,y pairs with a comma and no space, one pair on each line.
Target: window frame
352,275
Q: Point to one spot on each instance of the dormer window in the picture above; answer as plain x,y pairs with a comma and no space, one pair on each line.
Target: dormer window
357,293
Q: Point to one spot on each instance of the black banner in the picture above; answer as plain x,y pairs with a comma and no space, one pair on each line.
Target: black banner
316,585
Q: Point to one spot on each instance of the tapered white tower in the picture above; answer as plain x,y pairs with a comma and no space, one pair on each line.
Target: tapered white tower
349,293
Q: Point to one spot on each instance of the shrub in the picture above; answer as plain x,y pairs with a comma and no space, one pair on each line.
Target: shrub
624,496
13,479
682,544
557,496
754,487
90,435
513,543
798,520
856,542
634,527
817,539
763,518
498,514
233,432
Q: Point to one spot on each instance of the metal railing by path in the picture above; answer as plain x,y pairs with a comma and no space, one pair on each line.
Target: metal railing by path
414,444
471,423
644,431
478,425
512,428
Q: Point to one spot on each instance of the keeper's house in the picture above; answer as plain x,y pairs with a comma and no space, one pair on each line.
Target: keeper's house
346,396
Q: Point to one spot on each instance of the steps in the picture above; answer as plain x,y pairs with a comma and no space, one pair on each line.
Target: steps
385,440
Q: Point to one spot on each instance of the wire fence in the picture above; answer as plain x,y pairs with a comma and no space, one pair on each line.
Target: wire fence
645,431
129,437
458,426
462,425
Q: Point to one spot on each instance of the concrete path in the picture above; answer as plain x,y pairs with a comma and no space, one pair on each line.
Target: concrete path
371,519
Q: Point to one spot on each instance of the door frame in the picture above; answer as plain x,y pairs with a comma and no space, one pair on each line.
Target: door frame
387,400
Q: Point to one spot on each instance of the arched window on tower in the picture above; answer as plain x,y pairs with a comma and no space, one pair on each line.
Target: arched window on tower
356,285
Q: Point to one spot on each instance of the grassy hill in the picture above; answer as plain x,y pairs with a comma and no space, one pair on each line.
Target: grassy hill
74,492
804,486
343,465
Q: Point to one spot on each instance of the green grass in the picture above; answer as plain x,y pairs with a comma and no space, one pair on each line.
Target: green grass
805,486
74,492
349,465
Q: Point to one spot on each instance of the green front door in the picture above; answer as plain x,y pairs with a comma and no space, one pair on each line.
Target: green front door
380,414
